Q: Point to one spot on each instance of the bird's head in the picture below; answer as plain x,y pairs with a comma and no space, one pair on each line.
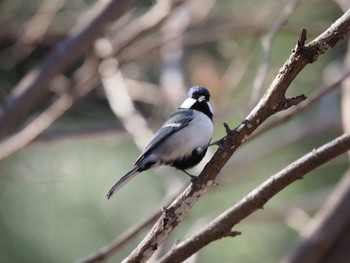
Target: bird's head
198,99
198,93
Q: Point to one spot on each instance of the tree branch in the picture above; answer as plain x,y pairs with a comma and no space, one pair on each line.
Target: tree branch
138,27
323,239
104,253
257,198
273,101
34,86
267,42
323,231
312,99
121,103
41,122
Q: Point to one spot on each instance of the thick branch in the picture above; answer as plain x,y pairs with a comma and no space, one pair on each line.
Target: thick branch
257,198
273,101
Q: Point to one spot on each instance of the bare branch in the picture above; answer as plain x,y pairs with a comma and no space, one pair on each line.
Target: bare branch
34,85
40,123
322,237
313,98
142,25
120,241
273,101
121,103
267,41
36,28
172,78
324,229
257,198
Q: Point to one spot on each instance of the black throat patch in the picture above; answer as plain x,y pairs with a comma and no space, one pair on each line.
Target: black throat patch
203,106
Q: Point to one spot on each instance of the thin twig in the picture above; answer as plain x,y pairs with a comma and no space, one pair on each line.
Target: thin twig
141,25
313,98
267,41
106,252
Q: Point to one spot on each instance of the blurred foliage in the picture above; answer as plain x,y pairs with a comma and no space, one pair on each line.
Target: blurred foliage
52,194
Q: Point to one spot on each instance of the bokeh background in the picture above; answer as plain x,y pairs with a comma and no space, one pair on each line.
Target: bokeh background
52,192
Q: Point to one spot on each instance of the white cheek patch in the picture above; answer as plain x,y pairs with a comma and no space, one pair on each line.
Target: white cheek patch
188,103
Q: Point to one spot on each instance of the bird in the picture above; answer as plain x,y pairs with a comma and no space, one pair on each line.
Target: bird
181,142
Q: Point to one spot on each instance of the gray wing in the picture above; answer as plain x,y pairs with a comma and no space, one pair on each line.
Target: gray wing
176,121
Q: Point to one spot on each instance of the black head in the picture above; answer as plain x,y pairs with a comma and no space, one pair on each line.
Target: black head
198,99
198,91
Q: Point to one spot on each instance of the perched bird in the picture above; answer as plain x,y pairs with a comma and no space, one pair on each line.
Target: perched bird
181,142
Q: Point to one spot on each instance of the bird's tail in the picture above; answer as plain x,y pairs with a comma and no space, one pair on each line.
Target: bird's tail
122,181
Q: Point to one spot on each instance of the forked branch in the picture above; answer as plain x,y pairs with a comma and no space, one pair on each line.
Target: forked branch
273,101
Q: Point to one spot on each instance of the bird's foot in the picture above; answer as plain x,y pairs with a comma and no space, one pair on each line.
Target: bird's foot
193,177
218,143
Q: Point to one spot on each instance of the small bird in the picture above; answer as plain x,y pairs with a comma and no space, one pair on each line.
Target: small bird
181,142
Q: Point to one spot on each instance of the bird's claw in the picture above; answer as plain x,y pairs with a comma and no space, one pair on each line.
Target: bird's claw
218,143
194,179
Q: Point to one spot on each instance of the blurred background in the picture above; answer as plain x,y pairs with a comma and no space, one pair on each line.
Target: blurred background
53,185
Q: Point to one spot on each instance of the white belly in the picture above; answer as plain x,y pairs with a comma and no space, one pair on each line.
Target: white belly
183,142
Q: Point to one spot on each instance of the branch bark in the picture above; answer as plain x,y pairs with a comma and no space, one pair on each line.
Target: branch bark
256,199
273,101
